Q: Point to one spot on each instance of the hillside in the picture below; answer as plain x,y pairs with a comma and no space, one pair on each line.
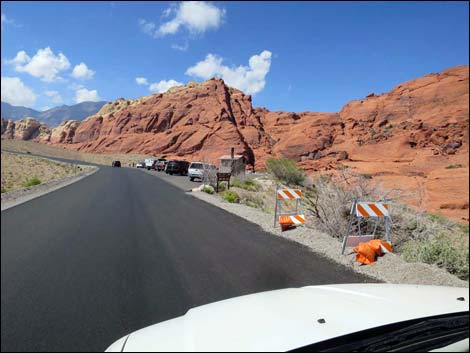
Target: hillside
413,138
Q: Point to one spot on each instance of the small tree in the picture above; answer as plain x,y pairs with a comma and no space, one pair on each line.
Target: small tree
285,170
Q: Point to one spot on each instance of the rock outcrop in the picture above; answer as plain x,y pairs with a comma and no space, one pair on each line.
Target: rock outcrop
408,139
25,129
32,129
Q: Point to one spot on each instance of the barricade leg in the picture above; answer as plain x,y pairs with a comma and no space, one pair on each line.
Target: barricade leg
345,240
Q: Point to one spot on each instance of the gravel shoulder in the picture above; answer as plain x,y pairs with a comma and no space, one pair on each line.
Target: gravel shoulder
389,268
57,175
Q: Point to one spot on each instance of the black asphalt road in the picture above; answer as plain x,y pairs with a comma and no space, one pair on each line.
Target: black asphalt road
122,249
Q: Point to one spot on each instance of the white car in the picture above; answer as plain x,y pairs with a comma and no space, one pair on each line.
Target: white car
149,163
140,165
196,170
349,317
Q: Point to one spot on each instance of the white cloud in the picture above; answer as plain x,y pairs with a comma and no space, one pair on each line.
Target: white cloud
7,21
15,92
141,81
21,58
82,72
250,79
46,107
163,85
147,27
45,64
195,16
54,96
183,47
85,95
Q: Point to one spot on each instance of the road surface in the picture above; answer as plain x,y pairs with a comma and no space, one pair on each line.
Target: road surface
122,249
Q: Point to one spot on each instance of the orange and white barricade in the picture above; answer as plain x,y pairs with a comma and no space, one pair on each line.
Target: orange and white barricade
293,218
360,210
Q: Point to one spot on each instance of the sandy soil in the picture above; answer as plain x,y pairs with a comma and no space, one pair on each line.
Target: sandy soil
17,169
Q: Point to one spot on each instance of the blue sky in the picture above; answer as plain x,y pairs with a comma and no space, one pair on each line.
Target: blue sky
305,56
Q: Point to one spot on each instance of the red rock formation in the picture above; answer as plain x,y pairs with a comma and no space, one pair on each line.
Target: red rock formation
405,139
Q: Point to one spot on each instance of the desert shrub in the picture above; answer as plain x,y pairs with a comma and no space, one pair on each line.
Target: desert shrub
31,182
366,176
222,186
252,200
208,189
231,196
454,166
285,170
416,236
439,251
247,184
4,190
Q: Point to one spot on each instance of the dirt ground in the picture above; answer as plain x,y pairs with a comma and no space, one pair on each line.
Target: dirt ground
52,151
17,169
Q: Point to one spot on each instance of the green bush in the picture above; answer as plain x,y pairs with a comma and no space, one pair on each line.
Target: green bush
4,190
247,184
31,182
440,252
208,189
231,196
285,170
222,186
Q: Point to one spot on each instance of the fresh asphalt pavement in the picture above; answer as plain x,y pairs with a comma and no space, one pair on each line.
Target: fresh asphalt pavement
121,250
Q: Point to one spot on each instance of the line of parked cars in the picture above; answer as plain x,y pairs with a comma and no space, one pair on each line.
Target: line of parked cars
194,170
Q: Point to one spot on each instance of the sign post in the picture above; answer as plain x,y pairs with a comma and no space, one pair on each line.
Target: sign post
223,177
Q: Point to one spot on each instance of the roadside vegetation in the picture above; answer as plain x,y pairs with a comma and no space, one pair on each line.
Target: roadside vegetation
31,182
20,171
417,236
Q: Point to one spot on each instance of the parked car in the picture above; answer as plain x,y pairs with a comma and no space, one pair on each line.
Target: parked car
140,165
196,170
177,167
161,165
149,163
116,164
155,162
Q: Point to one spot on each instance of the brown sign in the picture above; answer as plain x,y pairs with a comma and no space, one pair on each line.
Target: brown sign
223,177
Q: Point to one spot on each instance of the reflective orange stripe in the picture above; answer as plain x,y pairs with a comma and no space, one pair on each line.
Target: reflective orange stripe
362,211
285,220
385,205
300,219
375,209
298,192
289,195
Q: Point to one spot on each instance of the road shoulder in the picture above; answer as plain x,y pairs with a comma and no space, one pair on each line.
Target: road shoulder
390,268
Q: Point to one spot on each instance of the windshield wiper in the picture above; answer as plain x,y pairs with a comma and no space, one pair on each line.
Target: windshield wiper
417,335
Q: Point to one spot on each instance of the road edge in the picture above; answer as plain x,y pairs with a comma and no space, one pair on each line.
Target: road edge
50,186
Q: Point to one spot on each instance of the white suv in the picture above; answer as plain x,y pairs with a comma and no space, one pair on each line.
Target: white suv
196,170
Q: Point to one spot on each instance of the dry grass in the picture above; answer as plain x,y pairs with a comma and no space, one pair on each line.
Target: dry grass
59,152
22,171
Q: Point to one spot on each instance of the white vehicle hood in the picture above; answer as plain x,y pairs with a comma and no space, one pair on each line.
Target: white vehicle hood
286,319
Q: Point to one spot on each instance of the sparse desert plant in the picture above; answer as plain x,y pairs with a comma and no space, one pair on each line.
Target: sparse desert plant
3,190
441,252
208,189
285,170
31,182
231,196
417,236
454,166
247,184
252,200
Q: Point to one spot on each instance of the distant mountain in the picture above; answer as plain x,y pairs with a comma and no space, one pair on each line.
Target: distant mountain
54,116
15,113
